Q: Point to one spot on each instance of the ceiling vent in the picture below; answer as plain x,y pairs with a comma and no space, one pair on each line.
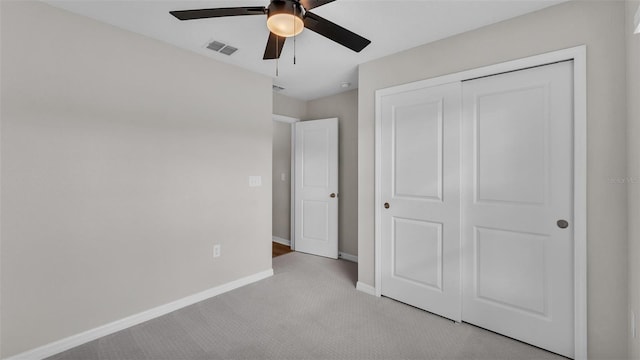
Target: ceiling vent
228,50
277,88
215,45
221,47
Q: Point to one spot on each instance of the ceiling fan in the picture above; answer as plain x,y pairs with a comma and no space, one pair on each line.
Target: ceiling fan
285,18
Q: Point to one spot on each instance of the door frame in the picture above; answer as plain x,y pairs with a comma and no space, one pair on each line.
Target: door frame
579,56
290,121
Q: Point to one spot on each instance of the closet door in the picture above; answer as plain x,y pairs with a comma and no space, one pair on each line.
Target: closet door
517,198
420,192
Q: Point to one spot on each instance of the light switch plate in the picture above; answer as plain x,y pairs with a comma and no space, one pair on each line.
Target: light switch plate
255,181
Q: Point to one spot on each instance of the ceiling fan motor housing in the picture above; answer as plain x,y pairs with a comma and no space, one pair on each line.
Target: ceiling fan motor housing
285,17
285,7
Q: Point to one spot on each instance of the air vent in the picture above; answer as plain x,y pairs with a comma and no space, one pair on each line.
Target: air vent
215,46
228,50
221,47
277,88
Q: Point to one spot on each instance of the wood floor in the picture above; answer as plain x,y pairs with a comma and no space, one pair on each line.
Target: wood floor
279,249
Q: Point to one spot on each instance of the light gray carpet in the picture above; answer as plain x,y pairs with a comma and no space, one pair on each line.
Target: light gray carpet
308,310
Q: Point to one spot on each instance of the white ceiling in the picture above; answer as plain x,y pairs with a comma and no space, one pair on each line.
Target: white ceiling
322,65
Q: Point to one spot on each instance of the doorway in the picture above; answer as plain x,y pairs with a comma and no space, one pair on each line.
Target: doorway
305,185
281,183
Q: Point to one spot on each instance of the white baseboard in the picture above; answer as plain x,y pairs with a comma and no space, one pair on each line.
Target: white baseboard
104,330
282,241
348,257
368,289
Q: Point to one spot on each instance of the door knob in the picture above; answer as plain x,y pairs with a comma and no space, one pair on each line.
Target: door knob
562,224
333,195
386,205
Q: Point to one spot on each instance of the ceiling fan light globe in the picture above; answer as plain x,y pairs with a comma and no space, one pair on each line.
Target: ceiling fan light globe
285,25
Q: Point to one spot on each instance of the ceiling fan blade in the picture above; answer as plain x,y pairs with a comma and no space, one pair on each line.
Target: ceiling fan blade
310,4
335,32
218,12
274,47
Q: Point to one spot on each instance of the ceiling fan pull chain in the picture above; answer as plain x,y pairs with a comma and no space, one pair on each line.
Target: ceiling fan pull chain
277,54
294,36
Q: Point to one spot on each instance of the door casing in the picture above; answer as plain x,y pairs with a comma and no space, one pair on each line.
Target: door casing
289,120
578,55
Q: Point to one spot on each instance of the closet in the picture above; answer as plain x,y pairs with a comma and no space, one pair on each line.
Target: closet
476,196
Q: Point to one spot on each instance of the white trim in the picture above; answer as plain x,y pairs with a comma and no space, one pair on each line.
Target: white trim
636,22
578,55
110,328
280,240
292,179
580,199
285,119
378,193
367,289
347,256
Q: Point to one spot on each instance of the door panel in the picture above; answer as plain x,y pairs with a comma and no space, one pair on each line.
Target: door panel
517,182
315,156
315,217
513,168
417,130
417,252
316,177
420,181
517,281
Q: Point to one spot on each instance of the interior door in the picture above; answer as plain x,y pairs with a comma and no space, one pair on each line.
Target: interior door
316,187
420,191
517,205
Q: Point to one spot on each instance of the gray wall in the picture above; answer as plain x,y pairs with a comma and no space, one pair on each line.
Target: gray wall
288,106
123,161
281,189
633,186
599,25
344,106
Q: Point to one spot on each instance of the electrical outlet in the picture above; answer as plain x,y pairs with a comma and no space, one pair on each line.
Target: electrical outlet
216,250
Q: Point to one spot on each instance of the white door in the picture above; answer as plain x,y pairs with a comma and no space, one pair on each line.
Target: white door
517,202
420,229
316,187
